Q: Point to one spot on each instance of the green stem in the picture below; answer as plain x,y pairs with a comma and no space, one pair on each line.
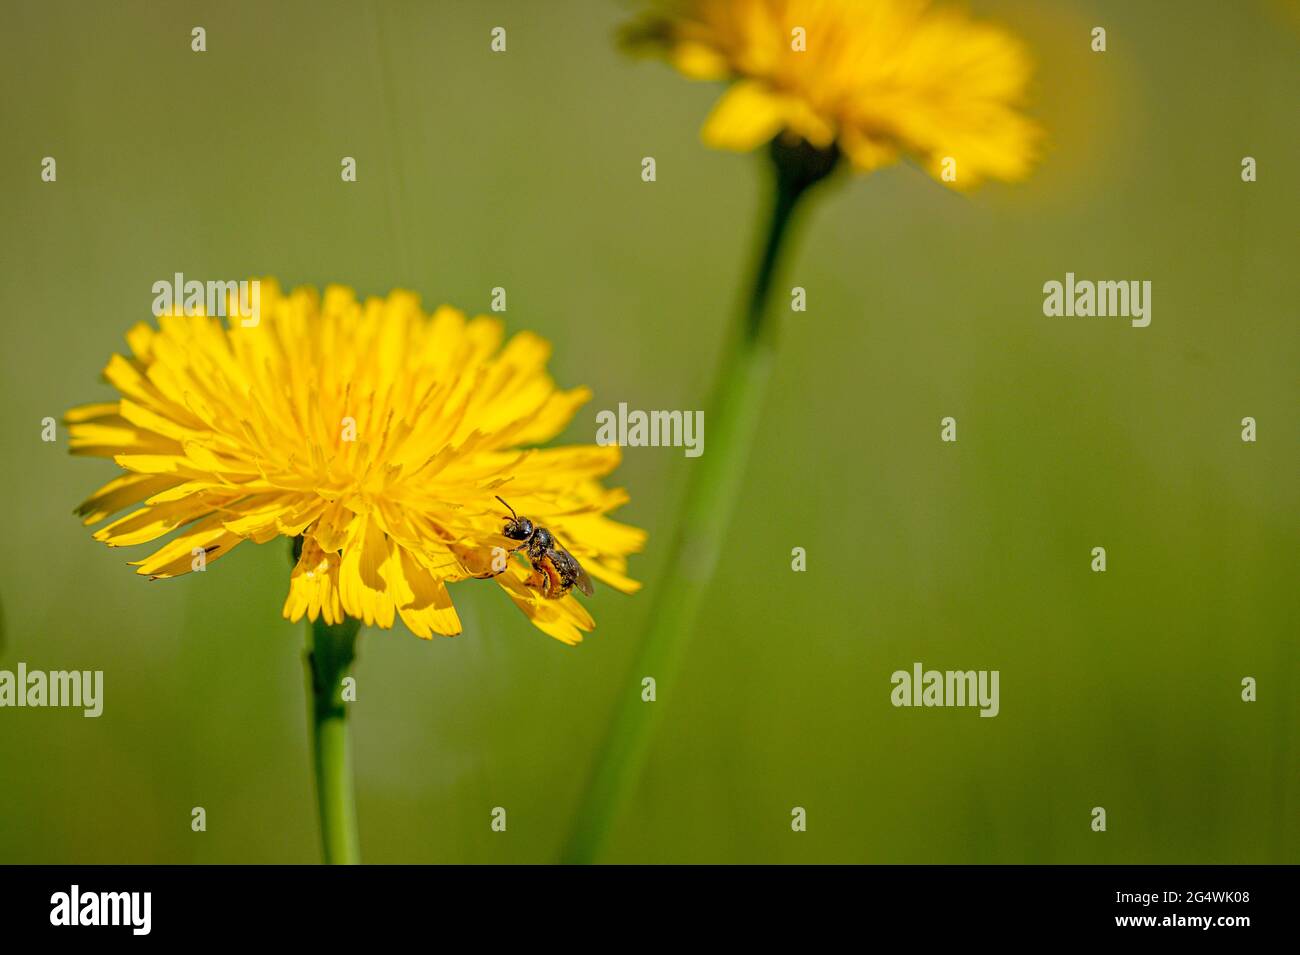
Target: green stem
711,494
330,652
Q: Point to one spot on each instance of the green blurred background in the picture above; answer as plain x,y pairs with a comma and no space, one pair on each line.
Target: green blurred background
522,170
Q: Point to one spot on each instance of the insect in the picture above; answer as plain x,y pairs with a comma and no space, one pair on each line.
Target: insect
555,570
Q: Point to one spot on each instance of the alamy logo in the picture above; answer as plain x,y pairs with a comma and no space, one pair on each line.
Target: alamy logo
74,688
654,429
946,688
1085,299
225,299
103,908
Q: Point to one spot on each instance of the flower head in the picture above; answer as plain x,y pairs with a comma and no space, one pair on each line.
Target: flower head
878,79
376,435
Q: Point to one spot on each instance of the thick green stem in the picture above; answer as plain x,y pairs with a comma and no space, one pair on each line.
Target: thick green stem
711,494
330,652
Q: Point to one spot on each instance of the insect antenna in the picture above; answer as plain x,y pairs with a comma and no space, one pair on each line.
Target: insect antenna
508,507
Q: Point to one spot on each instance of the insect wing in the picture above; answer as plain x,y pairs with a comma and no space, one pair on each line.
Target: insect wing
570,569
580,575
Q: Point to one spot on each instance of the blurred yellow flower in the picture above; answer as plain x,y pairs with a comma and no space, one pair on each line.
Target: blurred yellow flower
878,79
377,433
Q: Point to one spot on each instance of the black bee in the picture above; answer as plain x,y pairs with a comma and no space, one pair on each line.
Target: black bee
555,571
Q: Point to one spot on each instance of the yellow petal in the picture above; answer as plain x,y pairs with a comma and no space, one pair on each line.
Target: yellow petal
424,604
699,62
557,618
314,586
178,555
122,492
747,116
150,523
865,152
361,579
620,582
103,409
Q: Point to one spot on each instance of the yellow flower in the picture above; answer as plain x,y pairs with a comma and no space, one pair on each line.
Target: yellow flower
378,433
876,78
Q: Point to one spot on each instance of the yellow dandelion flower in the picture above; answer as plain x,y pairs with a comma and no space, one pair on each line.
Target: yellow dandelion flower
877,79
375,435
